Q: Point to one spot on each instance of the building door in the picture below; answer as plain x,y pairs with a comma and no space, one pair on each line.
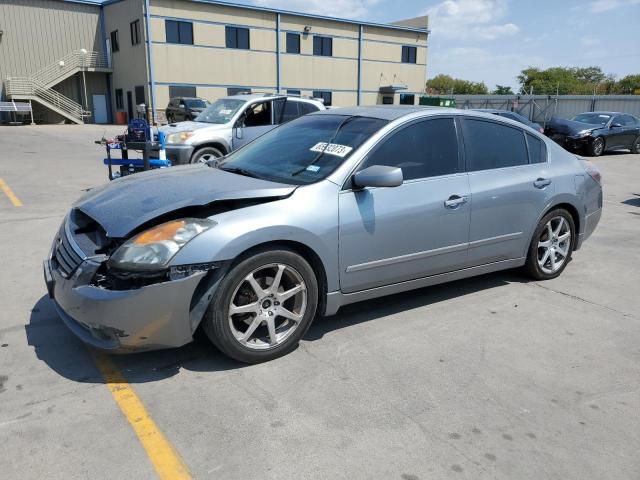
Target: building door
100,109
130,105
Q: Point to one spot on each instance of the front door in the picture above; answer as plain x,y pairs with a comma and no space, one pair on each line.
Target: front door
421,228
100,109
256,120
510,184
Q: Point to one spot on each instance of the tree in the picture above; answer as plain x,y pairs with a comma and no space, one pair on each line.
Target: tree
447,85
567,81
502,90
629,85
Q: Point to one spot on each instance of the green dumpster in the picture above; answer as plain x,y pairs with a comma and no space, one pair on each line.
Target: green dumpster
438,101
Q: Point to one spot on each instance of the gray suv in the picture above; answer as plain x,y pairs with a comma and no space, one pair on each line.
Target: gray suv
231,122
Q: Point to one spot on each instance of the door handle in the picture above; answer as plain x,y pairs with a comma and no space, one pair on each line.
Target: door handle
542,183
454,201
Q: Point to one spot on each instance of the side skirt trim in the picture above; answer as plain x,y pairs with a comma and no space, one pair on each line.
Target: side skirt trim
337,299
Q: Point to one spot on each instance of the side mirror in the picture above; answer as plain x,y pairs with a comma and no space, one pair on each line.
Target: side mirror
378,176
616,125
239,132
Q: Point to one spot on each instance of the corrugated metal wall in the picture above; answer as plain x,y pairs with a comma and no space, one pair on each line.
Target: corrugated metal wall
39,32
540,108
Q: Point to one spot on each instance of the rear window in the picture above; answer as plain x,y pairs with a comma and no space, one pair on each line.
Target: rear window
490,145
537,151
307,107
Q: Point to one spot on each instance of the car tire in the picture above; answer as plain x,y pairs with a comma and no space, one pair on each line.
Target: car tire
596,147
205,154
635,146
170,119
551,248
268,324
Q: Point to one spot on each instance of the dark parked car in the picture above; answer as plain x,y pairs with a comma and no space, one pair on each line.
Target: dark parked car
185,108
596,132
513,116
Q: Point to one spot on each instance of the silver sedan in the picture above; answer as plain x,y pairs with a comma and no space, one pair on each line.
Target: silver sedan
333,208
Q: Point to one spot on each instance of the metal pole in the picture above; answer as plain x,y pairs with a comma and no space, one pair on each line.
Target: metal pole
31,112
278,86
152,82
360,31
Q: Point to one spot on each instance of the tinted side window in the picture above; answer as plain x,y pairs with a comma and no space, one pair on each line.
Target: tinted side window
628,121
423,149
537,151
306,107
285,110
490,145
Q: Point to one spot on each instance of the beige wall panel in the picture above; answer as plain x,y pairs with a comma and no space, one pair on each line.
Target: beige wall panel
412,75
389,53
193,65
390,35
130,63
37,33
318,26
212,13
318,73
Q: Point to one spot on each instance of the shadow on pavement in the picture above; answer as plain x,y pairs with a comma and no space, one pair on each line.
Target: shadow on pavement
55,345
634,202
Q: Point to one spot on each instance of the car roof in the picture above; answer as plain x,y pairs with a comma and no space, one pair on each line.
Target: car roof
385,112
493,110
604,113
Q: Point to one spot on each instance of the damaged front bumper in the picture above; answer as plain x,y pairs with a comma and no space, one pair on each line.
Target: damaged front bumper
156,316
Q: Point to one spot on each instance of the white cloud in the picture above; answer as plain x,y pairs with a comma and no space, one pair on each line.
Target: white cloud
470,19
589,41
331,8
598,6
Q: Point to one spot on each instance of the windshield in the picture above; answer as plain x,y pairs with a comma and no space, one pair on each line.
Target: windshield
592,118
293,153
194,103
221,111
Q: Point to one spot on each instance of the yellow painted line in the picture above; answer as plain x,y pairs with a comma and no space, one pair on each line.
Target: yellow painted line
163,456
9,193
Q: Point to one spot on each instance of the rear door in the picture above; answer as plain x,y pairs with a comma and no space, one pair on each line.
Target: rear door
510,183
631,130
421,228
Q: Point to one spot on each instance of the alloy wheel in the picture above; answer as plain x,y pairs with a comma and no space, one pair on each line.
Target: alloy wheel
206,157
267,306
598,146
554,245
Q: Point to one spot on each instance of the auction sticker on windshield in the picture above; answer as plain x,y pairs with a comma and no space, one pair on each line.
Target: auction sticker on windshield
332,149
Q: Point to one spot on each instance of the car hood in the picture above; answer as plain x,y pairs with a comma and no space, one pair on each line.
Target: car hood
189,127
129,202
569,127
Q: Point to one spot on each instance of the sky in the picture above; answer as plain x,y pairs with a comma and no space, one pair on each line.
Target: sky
493,40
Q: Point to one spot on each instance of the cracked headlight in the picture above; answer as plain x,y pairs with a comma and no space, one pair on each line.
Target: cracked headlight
583,133
180,137
153,249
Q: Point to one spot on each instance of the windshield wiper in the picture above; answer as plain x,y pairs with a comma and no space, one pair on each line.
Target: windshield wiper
240,171
331,140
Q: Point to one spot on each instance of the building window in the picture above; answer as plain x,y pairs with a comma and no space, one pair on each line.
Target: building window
139,90
119,99
324,96
115,44
409,54
237,37
407,99
238,90
323,46
293,43
387,100
182,91
179,32
134,27
293,92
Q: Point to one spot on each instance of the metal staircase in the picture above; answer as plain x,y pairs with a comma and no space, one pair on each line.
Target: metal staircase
38,86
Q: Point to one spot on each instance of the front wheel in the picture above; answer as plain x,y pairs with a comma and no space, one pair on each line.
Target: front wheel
551,246
205,154
596,147
263,306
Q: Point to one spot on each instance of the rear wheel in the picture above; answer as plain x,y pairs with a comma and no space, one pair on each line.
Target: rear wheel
596,147
170,118
635,146
205,154
263,306
551,246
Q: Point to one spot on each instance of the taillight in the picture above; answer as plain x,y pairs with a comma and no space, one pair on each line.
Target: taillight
592,170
